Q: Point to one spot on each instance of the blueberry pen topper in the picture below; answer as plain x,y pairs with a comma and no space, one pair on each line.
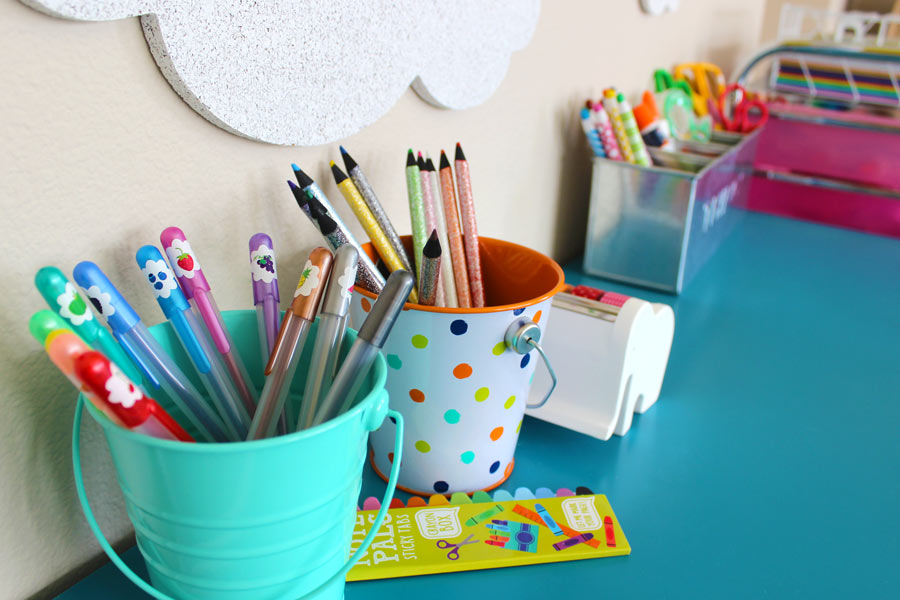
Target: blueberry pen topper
158,369
447,280
416,209
329,335
372,335
374,280
591,133
605,130
64,298
135,411
429,281
196,289
365,189
454,235
470,227
289,346
612,110
63,347
265,292
641,156
222,393
428,202
370,225
371,279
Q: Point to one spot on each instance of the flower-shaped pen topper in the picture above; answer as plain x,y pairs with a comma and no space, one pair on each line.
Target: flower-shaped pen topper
72,306
121,391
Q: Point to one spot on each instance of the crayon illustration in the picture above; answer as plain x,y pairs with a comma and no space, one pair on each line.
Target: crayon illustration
573,541
548,520
610,532
513,535
494,510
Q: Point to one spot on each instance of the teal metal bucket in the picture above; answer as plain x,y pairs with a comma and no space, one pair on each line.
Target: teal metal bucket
268,519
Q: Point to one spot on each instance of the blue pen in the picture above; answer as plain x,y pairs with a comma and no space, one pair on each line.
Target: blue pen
159,370
175,306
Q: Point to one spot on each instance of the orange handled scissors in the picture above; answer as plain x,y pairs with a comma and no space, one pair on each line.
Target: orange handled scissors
746,114
454,553
705,80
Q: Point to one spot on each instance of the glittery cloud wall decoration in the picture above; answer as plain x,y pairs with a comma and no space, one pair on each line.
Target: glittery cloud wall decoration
307,72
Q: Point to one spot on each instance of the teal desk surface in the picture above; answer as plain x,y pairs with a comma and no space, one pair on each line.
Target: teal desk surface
769,467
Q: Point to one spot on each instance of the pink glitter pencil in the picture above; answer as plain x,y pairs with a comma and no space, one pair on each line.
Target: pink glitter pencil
428,200
454,235
470,228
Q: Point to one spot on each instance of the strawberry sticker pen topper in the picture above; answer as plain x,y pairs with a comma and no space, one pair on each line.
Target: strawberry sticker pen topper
158,368
134,410
222,393
196,289
283,363
65,300
265,292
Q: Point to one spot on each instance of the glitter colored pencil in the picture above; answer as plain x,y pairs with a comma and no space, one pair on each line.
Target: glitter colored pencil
633,133
428,201
416,209
447,281
365,189
612,110
310,189
470,227
429,282
367,220
368,278
454,235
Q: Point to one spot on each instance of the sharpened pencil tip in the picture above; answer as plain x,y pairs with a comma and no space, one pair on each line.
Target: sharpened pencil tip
432,247
298,195
302,178
295,167
410,159
338,174
445,164
421,162
459,153
429,165
343,150
349,163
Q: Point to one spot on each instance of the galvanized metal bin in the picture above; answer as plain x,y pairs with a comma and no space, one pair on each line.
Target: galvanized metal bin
654,226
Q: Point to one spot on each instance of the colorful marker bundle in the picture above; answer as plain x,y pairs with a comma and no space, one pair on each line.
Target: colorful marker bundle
113,371
445,259
616,131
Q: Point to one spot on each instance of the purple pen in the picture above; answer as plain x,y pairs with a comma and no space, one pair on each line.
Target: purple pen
265,292
196,289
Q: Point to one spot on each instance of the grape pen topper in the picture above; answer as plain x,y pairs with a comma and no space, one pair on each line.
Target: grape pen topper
222,393
196,289
265,292
289,346
147,353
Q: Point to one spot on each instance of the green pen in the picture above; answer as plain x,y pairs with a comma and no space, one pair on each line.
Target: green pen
63,297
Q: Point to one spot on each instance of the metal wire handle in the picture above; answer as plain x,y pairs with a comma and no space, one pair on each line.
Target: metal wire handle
523,335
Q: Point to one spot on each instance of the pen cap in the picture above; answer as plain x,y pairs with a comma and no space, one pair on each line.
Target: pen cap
105,298
262,268
312,282
157,273
184,263
383,315
44,324
111,386
340,285
62,296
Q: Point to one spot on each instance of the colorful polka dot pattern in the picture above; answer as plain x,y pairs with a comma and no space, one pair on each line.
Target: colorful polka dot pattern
462,393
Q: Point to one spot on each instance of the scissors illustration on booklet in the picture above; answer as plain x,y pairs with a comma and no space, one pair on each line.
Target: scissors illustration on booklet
454,552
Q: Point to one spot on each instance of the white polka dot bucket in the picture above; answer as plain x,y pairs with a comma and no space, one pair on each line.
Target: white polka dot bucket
462,391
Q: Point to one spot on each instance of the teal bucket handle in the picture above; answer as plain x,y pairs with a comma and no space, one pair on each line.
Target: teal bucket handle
138,581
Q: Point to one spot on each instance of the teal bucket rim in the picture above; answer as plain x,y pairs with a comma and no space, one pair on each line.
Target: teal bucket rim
378,388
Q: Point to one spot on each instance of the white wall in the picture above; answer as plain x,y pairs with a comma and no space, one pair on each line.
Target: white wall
98,155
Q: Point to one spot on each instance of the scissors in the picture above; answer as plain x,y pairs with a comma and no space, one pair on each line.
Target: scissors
746,114
705,80
454,553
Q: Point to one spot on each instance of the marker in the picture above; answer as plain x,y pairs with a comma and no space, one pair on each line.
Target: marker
591,133
264,279
615,117
573,541
196,289
175,306
548,520
368,343
47,327
158,369
308,187
362,184
604,129
64,299
484,516
641,156
136,411
286,356
330,334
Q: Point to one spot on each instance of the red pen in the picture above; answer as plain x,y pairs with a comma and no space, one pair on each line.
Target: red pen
136,411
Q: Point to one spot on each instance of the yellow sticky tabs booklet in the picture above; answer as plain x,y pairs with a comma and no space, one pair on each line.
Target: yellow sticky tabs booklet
465,537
